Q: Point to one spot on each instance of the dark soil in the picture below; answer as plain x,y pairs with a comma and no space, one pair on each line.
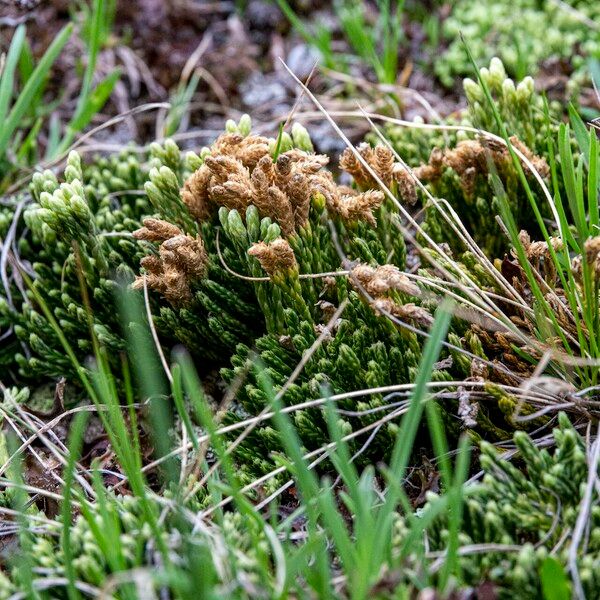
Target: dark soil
236,48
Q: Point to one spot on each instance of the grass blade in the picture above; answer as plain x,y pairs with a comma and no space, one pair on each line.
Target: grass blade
22,104
8,73
75,446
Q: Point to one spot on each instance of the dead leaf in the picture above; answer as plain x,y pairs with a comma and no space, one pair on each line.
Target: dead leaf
467,410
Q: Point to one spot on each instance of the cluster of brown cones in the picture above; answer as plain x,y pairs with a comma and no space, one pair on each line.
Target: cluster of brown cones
180,259
471,158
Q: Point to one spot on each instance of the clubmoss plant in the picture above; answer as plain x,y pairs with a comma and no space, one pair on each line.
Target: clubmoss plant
524,34
525,513
458,164
78,246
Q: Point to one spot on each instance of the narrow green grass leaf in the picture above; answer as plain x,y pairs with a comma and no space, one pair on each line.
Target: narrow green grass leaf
178,399
341,455
543,305
580,131
455,513
426,518
204,413
358,33
290,440
390,20
90,102
8,73
337,530
405,438
321,40
278,142
101,528
180,104
593,184
75,445
36,79
92,105
570,180
54,131
439,441
22,561
408,429
93,41
26,62
29,145
555,584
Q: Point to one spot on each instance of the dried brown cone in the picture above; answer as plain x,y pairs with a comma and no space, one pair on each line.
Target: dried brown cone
540,256
195,193
276,257
152,264
379,281
169,282
175,287
282,170
223,168
380,159
563,315
297,174
299,194
468,179
591,255
251,149
468,154
539,163
350,163
186,254
248,150
383,164
306,161
432,170
536,250
360,207
470,158
180,259
156,230
277,206
270,199
323,184
240,171
592,252
406,184
577,269
230,153
222,179
230,185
